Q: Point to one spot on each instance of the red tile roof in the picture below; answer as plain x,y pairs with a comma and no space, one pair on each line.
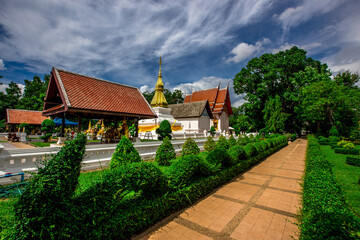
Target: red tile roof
87,93
17,116
217,98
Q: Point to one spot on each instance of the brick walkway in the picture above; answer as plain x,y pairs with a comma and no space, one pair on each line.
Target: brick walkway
259,204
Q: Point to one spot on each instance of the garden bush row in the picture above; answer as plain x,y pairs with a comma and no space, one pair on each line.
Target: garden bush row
353,161
130,195
324,214
347,151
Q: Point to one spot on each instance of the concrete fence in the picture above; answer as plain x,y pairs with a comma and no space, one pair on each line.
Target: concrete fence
96,156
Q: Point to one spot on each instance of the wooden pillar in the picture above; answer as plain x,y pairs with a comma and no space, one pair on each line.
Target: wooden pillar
79,124
136,122
62,125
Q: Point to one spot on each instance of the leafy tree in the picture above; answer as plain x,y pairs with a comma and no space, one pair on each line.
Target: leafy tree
274,116
347,78
164,130
34,93
269,75
149,96
325,104
173,97
10,99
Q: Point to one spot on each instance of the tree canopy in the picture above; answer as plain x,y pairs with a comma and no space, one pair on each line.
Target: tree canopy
34,93
288,91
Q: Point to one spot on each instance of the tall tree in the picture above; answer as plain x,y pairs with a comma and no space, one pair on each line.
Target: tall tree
328,102
34,93
274,116
273,74
10,99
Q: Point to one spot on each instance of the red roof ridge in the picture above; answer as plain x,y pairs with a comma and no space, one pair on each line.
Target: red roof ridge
99,79
23,110
201,90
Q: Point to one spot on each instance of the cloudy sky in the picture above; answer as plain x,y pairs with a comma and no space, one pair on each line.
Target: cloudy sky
202,42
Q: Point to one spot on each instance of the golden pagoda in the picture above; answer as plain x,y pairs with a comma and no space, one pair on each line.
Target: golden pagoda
159,99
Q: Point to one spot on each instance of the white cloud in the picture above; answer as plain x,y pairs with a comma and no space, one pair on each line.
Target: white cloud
243,50
4,86
92,37
308,47
2,66
345,59
294,16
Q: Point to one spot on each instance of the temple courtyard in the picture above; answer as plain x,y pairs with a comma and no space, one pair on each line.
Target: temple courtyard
260,204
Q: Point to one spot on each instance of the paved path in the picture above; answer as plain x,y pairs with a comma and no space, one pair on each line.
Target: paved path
259,204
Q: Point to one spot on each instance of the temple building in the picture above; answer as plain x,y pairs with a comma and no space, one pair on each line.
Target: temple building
147,127
220,105
15,117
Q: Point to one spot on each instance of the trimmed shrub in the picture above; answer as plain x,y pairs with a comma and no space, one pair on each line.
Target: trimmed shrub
231,141
269,143
250,150
188,169
347,151
244,140
333,132
293,137
349,145
219,156
323,141
212,131
47,127
164,130
209,144
43,211
324,214
333,139
264,145
125,153
237,154
353,161
222,143
165,153
190,147
259,147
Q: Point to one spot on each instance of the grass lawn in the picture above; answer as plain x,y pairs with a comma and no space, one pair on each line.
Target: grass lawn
346,175
41,144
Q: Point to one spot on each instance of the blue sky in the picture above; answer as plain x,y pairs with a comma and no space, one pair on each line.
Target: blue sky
202,42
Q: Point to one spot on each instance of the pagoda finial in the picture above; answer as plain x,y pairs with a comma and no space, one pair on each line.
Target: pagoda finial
159,99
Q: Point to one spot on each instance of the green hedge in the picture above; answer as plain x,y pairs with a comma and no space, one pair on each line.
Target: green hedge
122,203
347,151
324,214
353,161
133,216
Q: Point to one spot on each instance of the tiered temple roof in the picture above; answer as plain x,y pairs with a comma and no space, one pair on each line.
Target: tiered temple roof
219,99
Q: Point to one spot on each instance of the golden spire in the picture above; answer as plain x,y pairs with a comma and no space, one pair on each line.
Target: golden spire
159,99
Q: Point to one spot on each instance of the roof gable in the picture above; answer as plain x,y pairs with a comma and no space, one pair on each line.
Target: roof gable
87,93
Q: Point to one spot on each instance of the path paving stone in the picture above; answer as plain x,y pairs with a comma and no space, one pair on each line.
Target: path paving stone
260,204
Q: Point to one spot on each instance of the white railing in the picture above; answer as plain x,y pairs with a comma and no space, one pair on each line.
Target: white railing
96,156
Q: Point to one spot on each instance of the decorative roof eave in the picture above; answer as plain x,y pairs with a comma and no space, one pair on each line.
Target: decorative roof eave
152,110
61,85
